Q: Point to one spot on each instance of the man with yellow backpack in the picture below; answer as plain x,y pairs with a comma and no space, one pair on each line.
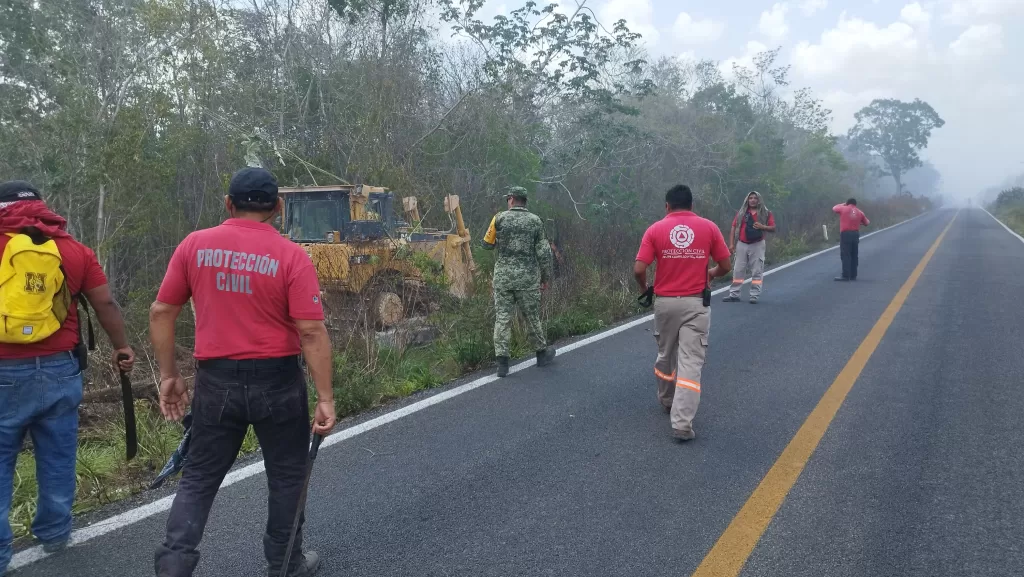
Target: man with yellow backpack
43,272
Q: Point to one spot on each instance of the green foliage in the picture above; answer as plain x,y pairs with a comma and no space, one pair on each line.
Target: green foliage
1009,207
1011,197
470,351
896,131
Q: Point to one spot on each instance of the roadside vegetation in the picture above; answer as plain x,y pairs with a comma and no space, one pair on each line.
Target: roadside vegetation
1009,208
132,115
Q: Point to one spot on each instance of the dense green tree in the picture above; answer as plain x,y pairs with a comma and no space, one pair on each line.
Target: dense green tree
895,131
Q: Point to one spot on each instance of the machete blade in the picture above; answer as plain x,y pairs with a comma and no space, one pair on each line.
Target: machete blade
131,440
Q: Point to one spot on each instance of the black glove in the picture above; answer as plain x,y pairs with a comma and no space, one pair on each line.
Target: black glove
646,299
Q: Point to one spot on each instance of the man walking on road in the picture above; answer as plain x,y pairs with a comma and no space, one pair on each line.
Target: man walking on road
752,221
682,244
850,220
45,270
257,306
521,272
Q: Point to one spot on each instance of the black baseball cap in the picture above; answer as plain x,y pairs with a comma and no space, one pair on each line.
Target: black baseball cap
14,190
253,185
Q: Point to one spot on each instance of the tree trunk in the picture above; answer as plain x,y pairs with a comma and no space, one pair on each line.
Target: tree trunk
101,253
898,177
384,16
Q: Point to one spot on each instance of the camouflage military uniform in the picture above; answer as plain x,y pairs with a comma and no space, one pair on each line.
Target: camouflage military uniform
523,264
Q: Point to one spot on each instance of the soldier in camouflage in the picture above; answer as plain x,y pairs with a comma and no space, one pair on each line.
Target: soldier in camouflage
521,271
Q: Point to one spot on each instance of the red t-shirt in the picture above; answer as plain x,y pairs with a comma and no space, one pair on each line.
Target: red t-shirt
248,284
743,228
683,244
850,217
82,273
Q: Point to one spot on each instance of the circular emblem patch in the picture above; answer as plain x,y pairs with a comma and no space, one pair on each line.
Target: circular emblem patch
681,236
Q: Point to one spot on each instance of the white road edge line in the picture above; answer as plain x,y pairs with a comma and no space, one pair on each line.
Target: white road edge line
137,514
1002,224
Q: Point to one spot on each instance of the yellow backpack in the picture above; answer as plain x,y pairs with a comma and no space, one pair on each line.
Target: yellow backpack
34,299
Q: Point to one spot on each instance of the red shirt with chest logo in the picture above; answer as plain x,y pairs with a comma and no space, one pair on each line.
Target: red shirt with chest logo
248,285
682,243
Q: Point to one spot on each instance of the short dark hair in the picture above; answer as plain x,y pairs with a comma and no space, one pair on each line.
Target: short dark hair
852,202
253,206
679,197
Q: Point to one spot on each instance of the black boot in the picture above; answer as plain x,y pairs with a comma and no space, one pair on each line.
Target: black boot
310,564
545,356
502,366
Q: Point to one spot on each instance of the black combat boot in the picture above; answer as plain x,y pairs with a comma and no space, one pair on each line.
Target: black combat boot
545,356
310,564
502,366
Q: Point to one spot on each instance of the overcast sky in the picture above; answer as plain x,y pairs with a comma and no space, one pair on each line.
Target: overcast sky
964,57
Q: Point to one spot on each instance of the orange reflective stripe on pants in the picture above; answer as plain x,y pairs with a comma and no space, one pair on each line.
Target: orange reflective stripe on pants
663,376
688,384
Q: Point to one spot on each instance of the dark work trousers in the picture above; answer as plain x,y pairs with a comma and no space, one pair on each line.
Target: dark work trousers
226,401
849,243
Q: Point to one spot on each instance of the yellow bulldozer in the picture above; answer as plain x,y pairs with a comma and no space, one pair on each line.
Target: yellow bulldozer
370,263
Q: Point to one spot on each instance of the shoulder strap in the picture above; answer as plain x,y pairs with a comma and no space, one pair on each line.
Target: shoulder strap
75,300
88,320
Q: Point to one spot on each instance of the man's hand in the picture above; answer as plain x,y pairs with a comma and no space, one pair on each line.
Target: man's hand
324,417
732,248
126,365
174,399
759,226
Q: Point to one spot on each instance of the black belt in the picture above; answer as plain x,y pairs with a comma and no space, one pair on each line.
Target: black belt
249,364
66,356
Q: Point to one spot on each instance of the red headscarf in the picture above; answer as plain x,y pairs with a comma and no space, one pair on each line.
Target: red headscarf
20,214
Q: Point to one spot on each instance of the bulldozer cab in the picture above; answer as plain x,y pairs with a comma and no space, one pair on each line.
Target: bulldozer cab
333,214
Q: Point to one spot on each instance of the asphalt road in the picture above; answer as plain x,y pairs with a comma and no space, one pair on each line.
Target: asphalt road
570,471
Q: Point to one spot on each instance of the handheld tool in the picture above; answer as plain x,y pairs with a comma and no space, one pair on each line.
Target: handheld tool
313,448
646,299
131,440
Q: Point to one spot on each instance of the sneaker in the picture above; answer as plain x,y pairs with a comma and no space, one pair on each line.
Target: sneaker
753,301
841,279
545,356
55,547
683,434
310,565
502,366
731,299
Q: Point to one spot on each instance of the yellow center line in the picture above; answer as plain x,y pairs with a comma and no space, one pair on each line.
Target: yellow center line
733,548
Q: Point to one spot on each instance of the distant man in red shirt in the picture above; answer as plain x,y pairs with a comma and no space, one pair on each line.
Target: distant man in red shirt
41,381
682,244
257,306
850,220
752,222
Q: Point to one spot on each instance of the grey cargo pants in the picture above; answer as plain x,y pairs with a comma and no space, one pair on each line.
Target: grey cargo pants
749,258
681,328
